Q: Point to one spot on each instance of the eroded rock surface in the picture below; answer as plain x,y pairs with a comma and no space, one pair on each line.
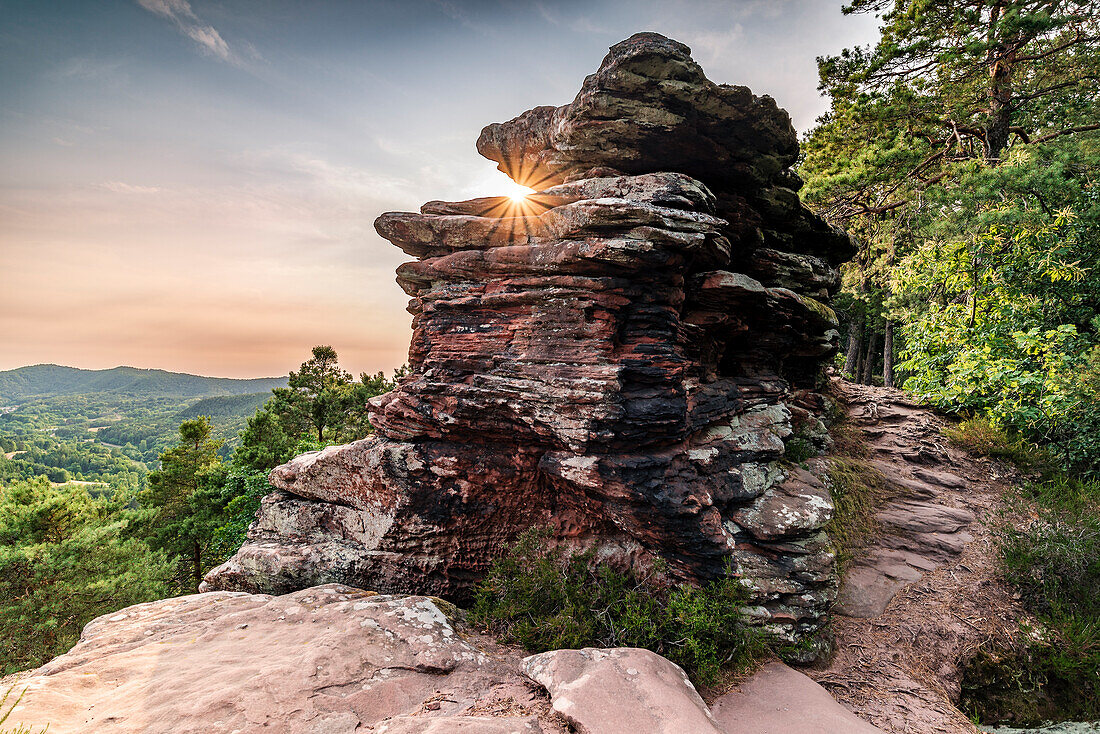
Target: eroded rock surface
925,592
337,660
778,699
919,530
329,660
618,357
627,690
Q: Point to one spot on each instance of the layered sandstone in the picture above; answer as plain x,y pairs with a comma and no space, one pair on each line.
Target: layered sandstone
618,356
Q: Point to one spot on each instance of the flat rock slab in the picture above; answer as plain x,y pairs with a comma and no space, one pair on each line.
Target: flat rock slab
868,587
620,691
325,660
941,478
924,517
779,700
461,725
919,537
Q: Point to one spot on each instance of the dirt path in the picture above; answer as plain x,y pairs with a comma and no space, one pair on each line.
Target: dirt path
923,594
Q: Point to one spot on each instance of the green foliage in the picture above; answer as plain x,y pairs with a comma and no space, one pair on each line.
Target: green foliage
51,380
183,506
544,599
961,151
241,493
320,406
798,449
1006,327
981,437
264,443
1053,561
65,558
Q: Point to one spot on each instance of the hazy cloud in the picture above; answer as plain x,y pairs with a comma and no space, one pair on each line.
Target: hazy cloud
124,188
180,13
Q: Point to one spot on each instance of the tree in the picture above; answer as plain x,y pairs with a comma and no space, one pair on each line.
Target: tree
182,503
920,123
949,81
316,395
66,558
264,443
321,405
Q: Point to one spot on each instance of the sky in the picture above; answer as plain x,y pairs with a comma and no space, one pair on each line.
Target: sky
191,185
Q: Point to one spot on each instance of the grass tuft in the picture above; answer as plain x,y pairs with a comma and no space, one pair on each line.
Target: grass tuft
858,489
981,438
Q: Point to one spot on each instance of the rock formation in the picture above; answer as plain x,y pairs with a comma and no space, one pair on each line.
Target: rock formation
618,356
336,660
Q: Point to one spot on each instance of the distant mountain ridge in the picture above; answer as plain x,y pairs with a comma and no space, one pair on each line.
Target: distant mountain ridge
51,380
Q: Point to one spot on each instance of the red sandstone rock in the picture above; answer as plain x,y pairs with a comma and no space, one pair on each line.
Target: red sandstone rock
330,660
620,691
613,358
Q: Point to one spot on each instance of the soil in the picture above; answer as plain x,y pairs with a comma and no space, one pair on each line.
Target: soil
901,670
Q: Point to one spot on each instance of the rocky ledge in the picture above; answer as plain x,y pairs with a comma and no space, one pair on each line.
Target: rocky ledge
337,660
618,357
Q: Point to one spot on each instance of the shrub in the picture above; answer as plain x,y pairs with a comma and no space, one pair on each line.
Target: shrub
1053,671
798,449
545,599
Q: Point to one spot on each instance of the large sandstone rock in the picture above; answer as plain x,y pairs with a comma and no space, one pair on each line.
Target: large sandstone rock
326,660
779,700
618,357
620,691
336,660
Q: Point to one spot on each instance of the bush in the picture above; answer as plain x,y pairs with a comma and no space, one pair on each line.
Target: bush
544,599
1053,562
798,449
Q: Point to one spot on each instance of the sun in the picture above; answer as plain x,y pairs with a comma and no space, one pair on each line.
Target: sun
517,192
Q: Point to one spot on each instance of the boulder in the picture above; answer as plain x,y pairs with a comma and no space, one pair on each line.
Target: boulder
329,659
620,691
780,700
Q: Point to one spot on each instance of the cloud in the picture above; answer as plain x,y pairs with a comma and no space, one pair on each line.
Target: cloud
120,187
189,24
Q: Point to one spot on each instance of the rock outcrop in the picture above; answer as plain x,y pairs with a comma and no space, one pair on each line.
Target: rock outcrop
329,660
925,592
336,660
618,356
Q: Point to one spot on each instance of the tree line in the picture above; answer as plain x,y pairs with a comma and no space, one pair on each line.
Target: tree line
69,552
962,152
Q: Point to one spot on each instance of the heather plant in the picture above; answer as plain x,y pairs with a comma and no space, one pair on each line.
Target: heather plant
544,599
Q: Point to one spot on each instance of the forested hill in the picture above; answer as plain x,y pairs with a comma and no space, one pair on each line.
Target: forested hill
51,380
